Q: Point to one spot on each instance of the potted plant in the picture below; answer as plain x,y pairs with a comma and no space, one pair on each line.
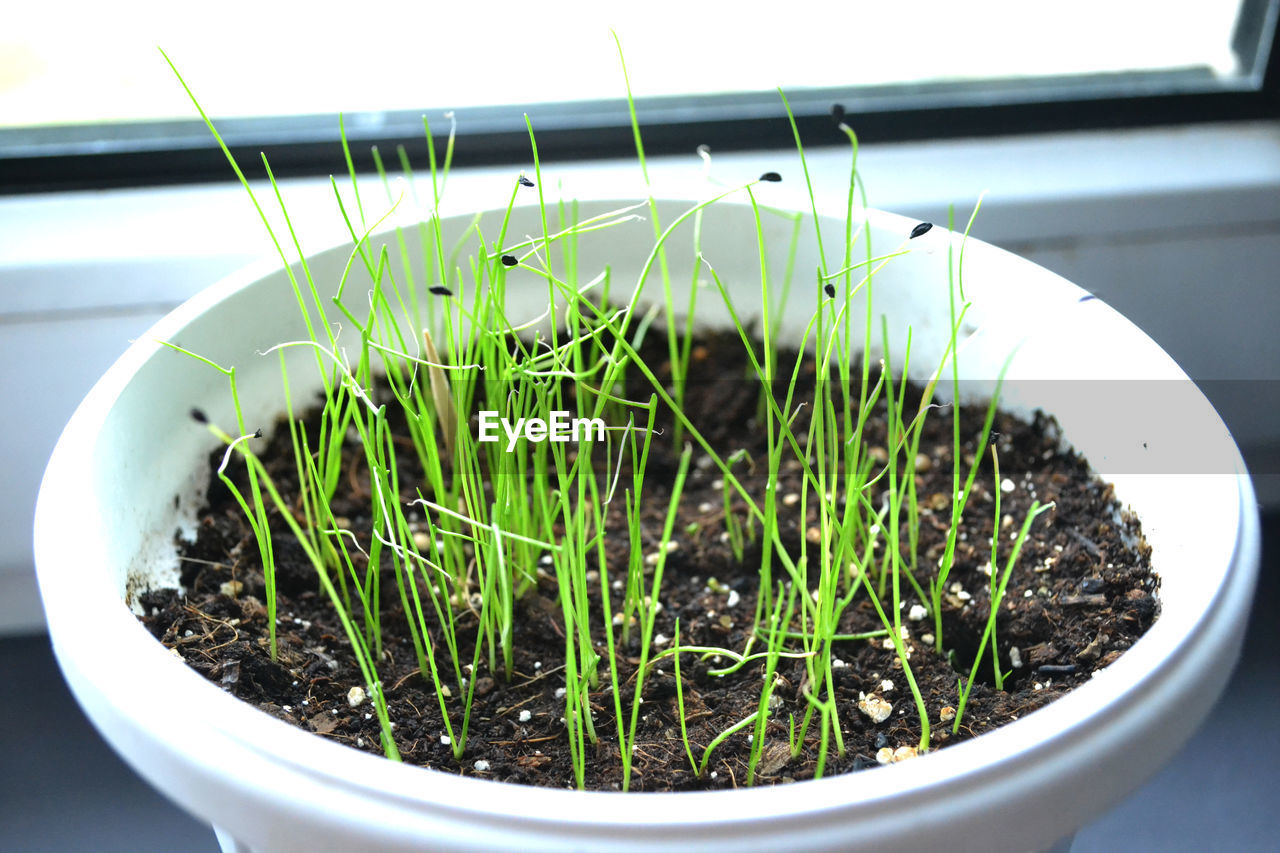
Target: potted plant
523,314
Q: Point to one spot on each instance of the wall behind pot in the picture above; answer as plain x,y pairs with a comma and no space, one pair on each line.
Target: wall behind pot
1179,229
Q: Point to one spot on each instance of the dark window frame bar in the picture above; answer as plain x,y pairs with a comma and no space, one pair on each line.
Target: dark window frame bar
160,153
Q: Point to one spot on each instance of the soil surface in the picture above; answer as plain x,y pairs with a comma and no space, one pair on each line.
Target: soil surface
1081,593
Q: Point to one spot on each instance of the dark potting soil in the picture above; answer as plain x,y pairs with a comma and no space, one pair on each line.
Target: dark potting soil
1081,593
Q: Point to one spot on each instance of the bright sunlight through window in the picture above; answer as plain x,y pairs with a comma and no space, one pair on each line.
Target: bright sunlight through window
77,63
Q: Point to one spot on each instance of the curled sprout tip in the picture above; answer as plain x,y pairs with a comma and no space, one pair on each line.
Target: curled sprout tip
704,151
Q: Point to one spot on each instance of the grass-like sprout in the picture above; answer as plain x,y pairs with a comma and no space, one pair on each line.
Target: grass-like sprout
255,507
997,594
424,352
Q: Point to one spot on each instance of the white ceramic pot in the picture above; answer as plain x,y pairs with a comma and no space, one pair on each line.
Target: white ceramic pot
130,466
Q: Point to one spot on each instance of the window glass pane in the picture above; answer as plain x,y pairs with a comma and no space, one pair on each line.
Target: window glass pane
96,62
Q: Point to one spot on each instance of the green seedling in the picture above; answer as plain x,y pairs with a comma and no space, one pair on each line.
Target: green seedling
486,523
